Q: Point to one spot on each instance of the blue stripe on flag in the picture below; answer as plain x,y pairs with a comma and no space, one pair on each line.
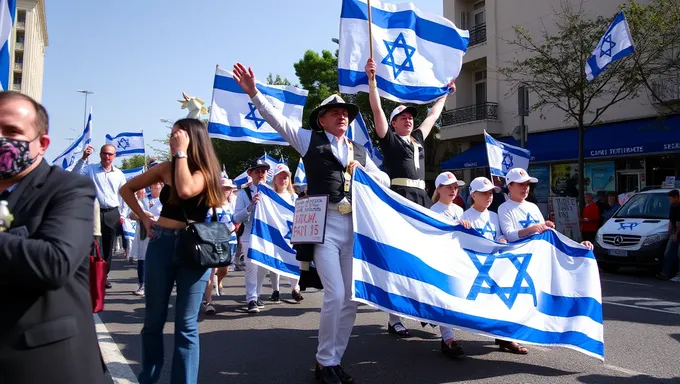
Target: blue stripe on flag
230,85
563,306
592,61
349,78
406,19
254,254
507,147
399,262
236,132
270,234
371,293
125,134
270,193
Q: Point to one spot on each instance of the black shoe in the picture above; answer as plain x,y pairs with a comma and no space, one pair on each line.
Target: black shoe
259,303
453,351
297,296
108,285
326,375
276,297
402,332
252,307
425,325
342,375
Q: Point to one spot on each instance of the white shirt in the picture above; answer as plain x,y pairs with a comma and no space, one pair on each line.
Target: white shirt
225,214
300,139
106,183
452,211
514,216
486,223
241,215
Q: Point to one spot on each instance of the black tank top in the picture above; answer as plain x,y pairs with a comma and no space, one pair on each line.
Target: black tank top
195,209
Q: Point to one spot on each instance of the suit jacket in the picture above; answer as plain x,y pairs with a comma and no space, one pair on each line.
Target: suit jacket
46,325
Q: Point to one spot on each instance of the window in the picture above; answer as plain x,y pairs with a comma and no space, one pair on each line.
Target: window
646,206
464,20
480,15
480,87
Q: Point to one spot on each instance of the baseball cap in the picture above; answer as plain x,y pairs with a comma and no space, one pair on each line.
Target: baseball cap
282,168
401,109
446,178
518,175
482,184
258,163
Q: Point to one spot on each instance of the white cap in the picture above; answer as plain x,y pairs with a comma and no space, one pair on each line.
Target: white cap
446,178
228,183
402,108
482,184
282,168
518,175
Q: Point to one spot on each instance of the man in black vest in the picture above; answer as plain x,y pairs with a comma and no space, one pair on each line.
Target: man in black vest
330,159
403,150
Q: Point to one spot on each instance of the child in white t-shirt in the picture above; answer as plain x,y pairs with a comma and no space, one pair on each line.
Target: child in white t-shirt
481,219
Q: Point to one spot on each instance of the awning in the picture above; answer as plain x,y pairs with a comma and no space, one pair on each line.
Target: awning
628,138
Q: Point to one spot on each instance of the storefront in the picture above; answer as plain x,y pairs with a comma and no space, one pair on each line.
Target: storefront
620,157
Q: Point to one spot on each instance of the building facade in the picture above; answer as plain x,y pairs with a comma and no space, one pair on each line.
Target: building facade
630,150
28,51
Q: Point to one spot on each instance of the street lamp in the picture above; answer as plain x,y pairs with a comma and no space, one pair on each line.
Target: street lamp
86,93
336,40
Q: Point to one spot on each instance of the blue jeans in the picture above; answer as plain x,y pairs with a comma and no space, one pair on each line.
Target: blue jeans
670,258
161,274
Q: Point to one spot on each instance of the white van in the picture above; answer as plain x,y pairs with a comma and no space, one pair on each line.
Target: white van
637,233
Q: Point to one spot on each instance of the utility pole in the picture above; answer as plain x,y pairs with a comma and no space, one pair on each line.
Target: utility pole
85,92
523,110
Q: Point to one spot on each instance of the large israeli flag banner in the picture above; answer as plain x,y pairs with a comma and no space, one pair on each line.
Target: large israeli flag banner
504,157
234,117
417,53
70,155
358,133
133,172
544,290
270,238
127,143
616,44
8,10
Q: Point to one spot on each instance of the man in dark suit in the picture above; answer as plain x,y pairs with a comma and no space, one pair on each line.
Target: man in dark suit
46,327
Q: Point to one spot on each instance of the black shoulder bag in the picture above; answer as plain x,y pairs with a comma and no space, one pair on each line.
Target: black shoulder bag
204,245
242,227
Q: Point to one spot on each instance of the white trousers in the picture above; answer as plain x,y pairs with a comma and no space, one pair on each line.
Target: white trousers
394,319
333,261
276,279
254,275
447,333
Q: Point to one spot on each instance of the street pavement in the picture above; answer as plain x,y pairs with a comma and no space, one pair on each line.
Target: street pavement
642,338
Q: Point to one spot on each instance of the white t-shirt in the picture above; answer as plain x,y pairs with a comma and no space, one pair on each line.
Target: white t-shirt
452,211
486,223
514,216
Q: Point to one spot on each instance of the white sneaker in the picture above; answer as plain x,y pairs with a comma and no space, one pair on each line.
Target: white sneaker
675,279
140,291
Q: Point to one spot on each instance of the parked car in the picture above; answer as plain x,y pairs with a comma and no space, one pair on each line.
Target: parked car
637,233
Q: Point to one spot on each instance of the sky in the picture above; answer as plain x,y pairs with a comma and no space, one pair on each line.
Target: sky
138,56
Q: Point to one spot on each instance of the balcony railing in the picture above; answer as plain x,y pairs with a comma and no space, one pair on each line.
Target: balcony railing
477,34
21,24
667,88
16,87
19,45
485,111
18,66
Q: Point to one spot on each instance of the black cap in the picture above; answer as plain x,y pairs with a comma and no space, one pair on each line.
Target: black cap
258,163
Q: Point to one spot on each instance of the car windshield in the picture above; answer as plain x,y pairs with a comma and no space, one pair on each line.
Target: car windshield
645,206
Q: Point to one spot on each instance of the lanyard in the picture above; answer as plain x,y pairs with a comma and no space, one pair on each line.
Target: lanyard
350,158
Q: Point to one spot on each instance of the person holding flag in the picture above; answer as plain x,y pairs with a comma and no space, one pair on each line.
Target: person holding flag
403,149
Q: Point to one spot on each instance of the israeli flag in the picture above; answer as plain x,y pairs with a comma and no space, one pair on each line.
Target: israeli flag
416,53
127,143
71,154
241,179
130,173
616,44
129,228
300,174
270,238
234,117
358,133
8,10
504,157
544,290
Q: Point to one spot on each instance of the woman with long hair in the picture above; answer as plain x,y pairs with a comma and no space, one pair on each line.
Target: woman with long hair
191,187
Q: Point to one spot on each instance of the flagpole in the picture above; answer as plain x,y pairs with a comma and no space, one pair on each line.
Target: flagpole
370,39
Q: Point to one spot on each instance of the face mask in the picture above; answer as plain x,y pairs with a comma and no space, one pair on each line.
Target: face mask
15,157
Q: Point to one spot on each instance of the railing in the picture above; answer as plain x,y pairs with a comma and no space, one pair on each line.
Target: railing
667,88
16,87
19,46
485,111
18,66
20,24
477,34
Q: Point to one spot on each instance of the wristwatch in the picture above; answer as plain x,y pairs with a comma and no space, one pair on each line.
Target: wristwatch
180,154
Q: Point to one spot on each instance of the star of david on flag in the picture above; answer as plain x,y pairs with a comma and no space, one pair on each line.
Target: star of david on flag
615,44
127,143
487,229
503,157
416,263
417,52
528,222
254,116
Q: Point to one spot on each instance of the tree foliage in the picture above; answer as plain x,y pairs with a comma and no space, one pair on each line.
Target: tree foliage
135,161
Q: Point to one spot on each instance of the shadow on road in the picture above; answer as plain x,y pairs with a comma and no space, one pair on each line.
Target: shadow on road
640,379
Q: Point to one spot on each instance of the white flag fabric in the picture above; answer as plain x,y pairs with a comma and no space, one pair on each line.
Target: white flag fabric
504,157
129,228
234,117
300,174
127,143
417,53
616,44
8,10
543,290
270,238
241,179
71,154
130,173
358,133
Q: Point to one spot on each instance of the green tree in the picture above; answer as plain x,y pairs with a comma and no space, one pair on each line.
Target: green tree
553,71
135,161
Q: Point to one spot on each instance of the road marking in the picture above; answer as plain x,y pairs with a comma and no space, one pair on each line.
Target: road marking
626,282
641,307
120,370
624,370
